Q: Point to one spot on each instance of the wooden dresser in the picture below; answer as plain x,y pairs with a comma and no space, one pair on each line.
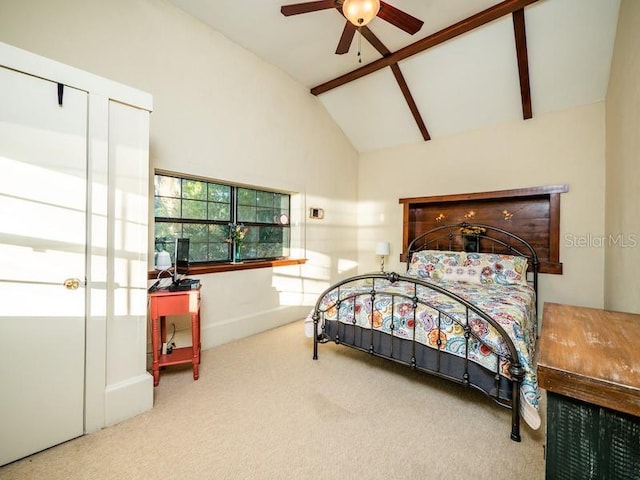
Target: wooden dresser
589,363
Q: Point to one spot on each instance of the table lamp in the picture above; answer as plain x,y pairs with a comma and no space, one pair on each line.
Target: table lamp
163,261
382,249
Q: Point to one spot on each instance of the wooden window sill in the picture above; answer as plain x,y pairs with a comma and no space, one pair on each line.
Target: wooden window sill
230,267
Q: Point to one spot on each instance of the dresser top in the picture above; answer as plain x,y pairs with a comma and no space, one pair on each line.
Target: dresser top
591,355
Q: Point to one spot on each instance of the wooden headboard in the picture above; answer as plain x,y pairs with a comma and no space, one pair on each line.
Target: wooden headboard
530,213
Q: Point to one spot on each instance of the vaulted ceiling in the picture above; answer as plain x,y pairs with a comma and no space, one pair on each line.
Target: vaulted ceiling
472,64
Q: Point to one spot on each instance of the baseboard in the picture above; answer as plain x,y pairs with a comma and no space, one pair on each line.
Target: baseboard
127,399
240,327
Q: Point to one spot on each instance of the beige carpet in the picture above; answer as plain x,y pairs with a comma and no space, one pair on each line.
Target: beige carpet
263,409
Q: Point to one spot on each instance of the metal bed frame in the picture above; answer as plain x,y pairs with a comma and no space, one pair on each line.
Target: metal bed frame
462,370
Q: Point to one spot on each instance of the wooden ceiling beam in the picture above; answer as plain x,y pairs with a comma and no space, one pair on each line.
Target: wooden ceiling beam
410,101
402,83
506,7
520,35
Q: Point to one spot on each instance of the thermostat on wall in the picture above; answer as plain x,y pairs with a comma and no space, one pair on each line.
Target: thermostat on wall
316,213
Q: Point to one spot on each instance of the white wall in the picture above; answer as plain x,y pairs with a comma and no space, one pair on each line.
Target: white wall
220,113
622,282
565,147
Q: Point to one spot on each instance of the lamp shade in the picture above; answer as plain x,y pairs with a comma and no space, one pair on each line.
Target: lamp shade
360,12
382,248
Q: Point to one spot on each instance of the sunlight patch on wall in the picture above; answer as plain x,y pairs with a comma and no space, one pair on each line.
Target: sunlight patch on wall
345,266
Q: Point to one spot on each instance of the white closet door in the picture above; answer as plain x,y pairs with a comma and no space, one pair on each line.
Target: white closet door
43,172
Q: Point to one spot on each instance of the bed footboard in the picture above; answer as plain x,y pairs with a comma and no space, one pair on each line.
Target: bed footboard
406,320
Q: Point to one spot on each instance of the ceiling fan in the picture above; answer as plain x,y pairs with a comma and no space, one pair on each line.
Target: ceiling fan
358,13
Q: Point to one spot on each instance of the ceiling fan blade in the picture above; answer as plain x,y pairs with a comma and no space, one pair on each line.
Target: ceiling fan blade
306,7
400,19
346,38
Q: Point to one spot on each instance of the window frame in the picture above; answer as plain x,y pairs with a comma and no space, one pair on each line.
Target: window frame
258,228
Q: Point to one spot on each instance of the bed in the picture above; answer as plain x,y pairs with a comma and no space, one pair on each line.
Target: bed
465,310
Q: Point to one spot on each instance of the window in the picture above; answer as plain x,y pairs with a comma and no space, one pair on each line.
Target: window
205,211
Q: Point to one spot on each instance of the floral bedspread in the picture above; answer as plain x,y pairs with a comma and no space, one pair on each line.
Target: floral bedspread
511,306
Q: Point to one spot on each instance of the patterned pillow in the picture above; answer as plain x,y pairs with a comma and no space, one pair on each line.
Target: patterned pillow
499,268
431,263
467,274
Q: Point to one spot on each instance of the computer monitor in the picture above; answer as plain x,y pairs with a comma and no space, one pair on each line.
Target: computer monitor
181,258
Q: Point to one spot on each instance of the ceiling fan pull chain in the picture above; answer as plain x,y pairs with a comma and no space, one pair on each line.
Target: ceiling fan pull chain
359,44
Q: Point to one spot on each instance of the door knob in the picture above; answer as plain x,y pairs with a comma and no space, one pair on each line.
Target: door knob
72,283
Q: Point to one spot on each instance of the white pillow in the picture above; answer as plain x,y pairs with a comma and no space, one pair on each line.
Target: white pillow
462,274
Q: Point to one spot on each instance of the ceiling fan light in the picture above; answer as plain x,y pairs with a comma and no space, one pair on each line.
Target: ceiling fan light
360,12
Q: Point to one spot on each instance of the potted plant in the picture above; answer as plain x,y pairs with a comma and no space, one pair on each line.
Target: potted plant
471,237
237,232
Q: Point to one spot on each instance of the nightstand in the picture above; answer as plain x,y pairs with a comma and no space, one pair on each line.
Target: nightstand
163,303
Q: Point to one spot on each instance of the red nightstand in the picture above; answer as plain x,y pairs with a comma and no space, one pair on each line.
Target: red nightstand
164,303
